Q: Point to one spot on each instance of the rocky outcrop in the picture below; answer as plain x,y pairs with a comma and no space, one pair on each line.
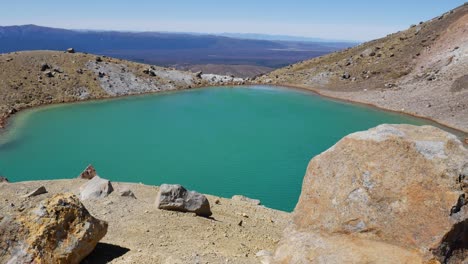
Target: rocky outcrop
58,230
176,198
392,194
96,188
88,173
3,179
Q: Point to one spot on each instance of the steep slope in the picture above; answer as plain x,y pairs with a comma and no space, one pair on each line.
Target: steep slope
421,71
36,78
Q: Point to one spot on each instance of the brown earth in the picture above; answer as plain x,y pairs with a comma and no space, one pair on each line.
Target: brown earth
138,232
420,71
34,78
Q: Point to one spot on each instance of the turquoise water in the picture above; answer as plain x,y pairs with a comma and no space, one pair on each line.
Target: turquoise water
254,141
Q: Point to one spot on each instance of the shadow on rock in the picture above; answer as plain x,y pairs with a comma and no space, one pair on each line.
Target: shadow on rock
104,253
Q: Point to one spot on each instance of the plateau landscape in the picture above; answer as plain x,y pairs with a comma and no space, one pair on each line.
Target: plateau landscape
164,133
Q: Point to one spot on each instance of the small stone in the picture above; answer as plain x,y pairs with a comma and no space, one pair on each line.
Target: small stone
98,59
48,74
346,75
240,223
45,67
126,192
36,192
88,173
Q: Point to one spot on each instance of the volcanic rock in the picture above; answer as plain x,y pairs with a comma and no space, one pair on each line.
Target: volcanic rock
88,173
58,230
176,198
392,194
96,188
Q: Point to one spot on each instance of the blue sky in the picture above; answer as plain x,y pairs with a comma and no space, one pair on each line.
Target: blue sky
332,19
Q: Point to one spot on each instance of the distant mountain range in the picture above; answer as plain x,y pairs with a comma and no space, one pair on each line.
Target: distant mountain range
166,49
284,38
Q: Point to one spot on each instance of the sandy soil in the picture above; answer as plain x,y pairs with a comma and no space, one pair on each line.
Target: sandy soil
141,233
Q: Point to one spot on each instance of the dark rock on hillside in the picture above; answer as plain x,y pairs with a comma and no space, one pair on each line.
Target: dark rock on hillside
71,50
177,198
3,179
45,67
58,230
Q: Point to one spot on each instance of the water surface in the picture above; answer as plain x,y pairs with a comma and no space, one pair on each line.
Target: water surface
254,141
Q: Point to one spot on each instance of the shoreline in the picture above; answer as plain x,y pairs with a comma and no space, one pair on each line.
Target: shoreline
463,135
373,106
236,231
129,184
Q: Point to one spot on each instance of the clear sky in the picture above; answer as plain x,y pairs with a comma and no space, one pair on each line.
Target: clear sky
331,19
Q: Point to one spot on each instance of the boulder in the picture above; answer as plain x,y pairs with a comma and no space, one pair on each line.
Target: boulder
392,194
245,199
88,173
58,230
36,192
176,198
3,179
70,50
95,188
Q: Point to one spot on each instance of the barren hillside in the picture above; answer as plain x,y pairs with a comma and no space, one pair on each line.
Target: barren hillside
421,71
35,78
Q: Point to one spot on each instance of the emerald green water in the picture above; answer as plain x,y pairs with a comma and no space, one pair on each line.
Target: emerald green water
254,141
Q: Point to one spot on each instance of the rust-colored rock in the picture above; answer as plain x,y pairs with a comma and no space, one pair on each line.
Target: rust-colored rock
392,194
58,230
88,173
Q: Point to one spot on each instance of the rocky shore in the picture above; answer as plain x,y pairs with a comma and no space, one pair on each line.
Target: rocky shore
420,71
139,232
34,78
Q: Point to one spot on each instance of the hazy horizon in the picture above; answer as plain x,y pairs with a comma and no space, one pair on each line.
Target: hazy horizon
333,20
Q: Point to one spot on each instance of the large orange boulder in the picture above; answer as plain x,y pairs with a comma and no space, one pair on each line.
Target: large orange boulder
58,230
392,194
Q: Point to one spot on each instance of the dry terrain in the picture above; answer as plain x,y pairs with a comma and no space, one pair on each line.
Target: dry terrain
34,78
140,233
421,71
